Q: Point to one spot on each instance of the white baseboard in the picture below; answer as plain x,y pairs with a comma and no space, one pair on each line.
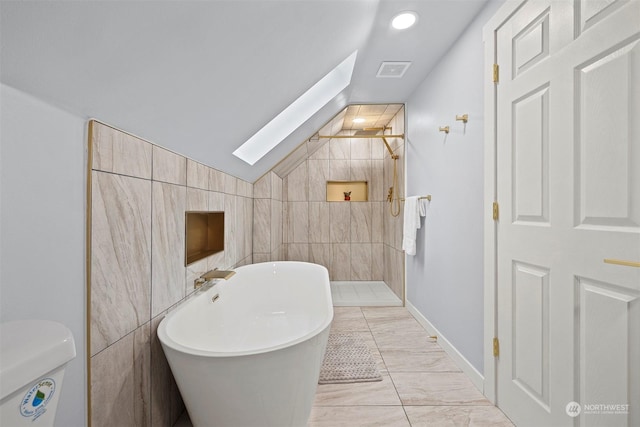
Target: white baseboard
476,377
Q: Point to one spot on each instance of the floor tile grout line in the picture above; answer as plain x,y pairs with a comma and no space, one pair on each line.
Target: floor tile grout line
386,367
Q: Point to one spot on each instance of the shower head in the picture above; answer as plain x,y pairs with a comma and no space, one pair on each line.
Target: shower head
366,132
372,131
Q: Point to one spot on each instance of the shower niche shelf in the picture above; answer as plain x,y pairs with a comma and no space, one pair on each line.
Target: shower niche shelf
347,191
204,235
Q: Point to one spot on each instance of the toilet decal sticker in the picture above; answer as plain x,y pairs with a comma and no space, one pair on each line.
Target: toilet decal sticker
36,399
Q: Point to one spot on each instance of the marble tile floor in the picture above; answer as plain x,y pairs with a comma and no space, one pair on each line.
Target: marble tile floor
363,293
421,385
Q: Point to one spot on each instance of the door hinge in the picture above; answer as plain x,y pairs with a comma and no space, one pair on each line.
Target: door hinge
496,347
496,211
496,73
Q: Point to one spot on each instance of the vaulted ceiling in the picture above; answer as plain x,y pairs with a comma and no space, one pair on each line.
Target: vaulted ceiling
201,77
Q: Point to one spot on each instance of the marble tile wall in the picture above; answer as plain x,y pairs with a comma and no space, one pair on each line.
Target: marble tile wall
392,235
139,194
267,219
348,238
356,240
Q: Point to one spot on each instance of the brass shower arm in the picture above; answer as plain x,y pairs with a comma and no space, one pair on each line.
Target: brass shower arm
360,136
384,139
393,156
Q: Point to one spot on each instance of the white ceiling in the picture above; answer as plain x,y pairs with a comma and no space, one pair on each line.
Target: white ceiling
201,77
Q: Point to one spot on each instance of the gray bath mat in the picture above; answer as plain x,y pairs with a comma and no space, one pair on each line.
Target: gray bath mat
348,360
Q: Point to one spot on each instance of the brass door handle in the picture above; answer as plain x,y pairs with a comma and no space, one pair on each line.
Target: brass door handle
622,262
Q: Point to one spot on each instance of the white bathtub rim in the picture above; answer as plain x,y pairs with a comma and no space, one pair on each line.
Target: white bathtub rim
166,340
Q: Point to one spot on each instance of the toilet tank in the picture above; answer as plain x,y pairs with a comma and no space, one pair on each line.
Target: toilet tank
33,355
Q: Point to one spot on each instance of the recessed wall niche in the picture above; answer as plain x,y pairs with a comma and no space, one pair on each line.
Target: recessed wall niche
204,235
356,191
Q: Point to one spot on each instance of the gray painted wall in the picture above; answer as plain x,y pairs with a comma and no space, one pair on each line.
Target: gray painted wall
42,228
445,277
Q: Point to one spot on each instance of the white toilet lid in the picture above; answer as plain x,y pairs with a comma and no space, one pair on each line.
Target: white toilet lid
31,348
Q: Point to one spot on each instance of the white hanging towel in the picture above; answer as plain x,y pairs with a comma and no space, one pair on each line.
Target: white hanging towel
414,208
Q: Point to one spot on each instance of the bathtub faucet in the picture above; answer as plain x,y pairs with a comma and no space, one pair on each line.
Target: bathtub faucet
212,275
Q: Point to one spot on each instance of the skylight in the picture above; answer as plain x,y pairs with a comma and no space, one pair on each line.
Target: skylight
292,117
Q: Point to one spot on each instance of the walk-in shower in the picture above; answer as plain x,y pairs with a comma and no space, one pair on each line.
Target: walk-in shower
339,204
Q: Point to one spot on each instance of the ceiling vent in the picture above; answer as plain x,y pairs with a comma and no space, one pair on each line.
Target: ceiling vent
392,69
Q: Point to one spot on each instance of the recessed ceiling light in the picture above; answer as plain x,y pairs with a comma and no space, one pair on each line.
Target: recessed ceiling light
359,120
404,20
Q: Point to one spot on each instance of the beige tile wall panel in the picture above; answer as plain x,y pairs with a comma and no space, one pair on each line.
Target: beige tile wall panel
197,175
320,253
361,148
121,153
216,201
361,261
298,183
259,257
285,222
377,261
129,215
377,187
361,222
169,167
230,184
279,254
298,252
378,149
214,261
387,264
166,402
319,222
276,224
340,261
321,152
360,170
197,200
168,242
120,386
216,180
121,257
339,170
230,232
318,177
299,219
276,187
246,189
248,226
377,221
339,149
262,187
239,229
262,225
340,227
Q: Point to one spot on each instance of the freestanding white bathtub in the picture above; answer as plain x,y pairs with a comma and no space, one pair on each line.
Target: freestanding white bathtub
252,357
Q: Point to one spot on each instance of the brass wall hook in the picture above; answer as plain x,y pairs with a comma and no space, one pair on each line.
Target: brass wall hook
444,129
464,118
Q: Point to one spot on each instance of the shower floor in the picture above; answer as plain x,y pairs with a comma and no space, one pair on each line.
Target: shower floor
363,294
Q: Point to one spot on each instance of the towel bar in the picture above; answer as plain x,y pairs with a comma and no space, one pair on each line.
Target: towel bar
428,197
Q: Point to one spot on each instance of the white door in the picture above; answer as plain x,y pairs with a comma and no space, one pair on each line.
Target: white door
568,187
